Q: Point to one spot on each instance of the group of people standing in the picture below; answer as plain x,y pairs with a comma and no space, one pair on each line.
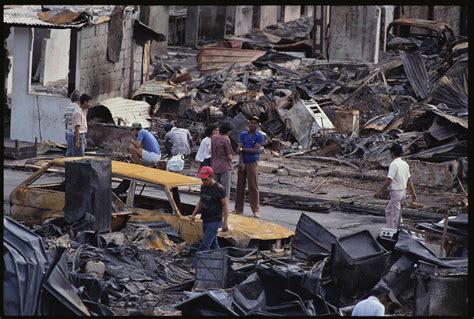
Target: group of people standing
216,152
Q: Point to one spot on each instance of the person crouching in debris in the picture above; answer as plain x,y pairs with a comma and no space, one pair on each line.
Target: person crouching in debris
213,206
146,148
79,122
177,140
398,179
250,144
221,160
374,305
72,106
204,152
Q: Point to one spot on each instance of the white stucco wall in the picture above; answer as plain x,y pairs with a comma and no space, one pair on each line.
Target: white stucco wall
32,115
55,56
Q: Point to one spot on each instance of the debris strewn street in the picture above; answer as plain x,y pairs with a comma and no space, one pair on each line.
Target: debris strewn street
134,133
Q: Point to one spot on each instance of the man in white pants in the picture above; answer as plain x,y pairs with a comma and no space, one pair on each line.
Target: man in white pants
398,179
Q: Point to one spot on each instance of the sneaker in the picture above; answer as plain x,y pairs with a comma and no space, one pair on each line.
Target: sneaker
237,213
256,214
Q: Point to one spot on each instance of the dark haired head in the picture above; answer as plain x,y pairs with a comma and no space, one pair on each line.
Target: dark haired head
380,290
397,150
210,129
85,98
225,127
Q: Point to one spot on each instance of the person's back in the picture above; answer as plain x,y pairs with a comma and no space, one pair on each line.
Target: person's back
220,150
149,141
179,138
369,307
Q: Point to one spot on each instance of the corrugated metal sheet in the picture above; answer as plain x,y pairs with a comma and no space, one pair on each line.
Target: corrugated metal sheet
125,112
164,89
27,15
415,70
214,59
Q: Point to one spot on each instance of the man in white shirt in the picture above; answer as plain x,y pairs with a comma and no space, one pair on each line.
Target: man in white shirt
79,123
374,305
398,179
177,140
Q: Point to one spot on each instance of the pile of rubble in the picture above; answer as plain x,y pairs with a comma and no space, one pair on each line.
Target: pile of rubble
417,100
147,271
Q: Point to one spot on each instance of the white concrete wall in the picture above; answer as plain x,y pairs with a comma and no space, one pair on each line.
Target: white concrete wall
268,16
292,13
55,57
32,115
243,19
355,33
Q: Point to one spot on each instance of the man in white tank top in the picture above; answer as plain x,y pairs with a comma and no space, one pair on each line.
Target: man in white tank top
398,179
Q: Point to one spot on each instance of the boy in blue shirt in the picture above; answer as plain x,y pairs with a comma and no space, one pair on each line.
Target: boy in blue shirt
250,144
146,148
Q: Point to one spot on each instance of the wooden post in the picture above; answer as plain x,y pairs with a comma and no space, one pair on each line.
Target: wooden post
443,239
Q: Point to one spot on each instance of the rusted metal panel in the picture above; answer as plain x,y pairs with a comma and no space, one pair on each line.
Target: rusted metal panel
125,112
428,24
164,89
214,59
63,18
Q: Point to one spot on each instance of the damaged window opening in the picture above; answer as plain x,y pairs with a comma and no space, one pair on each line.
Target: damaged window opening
50,61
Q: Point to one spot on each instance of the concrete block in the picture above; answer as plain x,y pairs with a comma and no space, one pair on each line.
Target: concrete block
428,174
267,167
282,172
299,172
95,268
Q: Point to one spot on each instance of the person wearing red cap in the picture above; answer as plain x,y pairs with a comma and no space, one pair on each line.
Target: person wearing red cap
213,206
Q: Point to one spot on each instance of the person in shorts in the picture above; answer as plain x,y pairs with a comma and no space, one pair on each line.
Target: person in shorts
145,148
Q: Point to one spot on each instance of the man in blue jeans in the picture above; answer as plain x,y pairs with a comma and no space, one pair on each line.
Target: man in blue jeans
213,207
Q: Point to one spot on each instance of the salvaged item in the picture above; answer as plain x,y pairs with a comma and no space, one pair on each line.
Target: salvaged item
212,268
306,119
89,191
151,194
311,239
440,292
214,59
19,149
358,262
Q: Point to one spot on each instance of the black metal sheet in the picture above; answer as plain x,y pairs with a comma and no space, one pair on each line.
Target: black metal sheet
415,70
210,303
59,286
25,263
311,239
415,248
360,245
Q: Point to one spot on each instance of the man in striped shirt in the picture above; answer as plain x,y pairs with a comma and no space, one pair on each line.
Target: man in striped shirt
75,95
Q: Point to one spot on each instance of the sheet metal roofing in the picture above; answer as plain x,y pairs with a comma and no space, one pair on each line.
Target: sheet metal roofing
27,15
